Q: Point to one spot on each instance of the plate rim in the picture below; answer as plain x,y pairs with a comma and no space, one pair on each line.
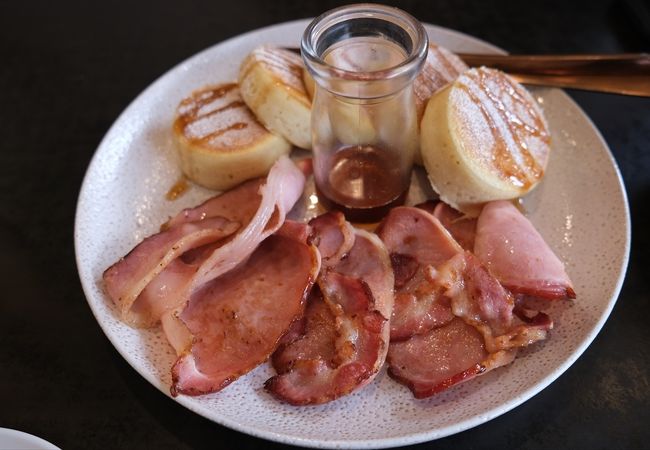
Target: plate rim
414,438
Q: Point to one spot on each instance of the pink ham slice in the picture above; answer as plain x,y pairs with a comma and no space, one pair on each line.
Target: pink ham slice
418,243
462,228
517,255
344,339
413,232
236,320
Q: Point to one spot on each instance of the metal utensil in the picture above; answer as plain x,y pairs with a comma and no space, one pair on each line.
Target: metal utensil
627,73
624,73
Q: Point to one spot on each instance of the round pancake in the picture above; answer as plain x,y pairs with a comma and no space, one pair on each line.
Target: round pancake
271,82
483,138
220,141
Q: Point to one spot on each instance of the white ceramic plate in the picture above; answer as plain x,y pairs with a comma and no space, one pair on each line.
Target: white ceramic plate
580,208
19,440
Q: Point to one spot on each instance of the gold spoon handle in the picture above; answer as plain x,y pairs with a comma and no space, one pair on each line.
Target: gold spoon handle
627,73
623,73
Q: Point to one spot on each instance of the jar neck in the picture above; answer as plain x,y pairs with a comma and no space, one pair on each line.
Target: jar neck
364,51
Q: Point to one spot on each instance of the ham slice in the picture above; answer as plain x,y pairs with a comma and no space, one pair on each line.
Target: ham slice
517,254
344,339
238,204
236,320
418,243
413,232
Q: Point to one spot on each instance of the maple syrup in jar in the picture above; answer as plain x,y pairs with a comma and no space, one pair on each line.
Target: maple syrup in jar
364,59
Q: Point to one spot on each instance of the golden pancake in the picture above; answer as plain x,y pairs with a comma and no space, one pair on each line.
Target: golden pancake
220,141
483,138
271,83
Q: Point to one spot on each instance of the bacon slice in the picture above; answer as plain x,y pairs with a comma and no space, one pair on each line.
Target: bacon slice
259,205
462,228
420,305
482,336
238,204
472,331
199,244
333,235
517,254
418,243
128,278
309,338
236,320
413,232
273,199
480,300
283,187
476,295
444,356
345,336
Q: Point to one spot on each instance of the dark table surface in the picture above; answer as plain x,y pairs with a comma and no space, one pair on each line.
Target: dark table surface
67,70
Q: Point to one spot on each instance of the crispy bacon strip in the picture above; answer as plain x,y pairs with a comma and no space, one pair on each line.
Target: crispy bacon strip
418,243
479,332
333,235
345,335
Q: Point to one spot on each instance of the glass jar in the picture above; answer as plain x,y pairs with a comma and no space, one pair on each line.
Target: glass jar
363,59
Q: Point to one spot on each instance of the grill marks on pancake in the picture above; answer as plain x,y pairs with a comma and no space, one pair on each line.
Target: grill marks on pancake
235,126
191,106
514,127
217,117
233,104
284,64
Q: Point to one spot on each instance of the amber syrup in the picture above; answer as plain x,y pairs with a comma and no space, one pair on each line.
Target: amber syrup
363,182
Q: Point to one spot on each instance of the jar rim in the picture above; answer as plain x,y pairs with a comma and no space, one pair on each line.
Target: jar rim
314,31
